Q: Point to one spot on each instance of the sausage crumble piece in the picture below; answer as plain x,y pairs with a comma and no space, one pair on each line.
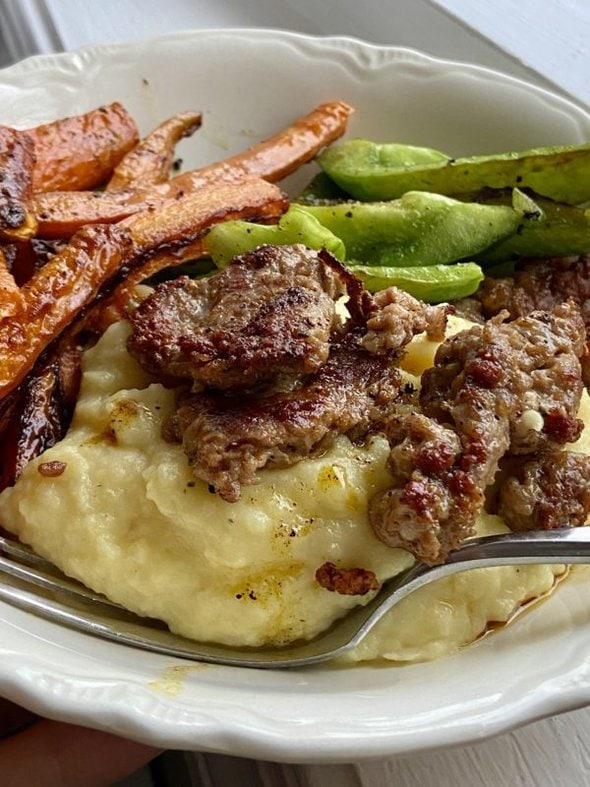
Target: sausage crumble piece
549,491
228,439
346,581
269,313
537,284
489,389
52,469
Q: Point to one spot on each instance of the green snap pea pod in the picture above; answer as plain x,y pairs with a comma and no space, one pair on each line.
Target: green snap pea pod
430,283
366,171
417,229
230,238
563,230
321,189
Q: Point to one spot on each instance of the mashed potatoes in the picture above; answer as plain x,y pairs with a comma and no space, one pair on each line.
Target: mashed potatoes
127,518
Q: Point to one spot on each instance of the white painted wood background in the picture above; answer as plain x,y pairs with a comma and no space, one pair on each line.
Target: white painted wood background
545,41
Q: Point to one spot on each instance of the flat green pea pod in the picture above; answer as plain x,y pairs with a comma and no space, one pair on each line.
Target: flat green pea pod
417,229
562,230
366,171
321,190
430,283
231,238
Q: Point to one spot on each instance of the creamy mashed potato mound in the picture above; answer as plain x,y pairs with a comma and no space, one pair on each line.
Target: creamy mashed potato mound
127,518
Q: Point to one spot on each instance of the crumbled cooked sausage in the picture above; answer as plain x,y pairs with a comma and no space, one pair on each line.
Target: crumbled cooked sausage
530,364
397,316
474,398
275,373
537,284
346,581
51,469
229,439
271,312
552,490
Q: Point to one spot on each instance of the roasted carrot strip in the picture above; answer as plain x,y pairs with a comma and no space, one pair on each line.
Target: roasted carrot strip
60,214
81,152
273,159
17,157
180,222
25,258
36,425
55,294
11,299
150,161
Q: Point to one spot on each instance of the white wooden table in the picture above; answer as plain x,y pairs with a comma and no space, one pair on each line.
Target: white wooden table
545,41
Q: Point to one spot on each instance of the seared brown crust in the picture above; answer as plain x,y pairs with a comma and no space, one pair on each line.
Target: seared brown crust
271,312
276,372
346,581
552,490
431,505
531,364
81,152
537,284
489,387
228,439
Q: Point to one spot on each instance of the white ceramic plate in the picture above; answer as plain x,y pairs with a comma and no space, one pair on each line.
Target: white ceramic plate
249,84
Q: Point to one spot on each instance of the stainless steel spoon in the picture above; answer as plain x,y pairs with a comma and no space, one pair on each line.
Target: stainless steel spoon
31,583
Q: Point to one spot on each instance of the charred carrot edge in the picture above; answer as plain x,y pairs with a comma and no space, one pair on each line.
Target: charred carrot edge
11,300
125,296
17,158
60,214
150,161
81,152
41,408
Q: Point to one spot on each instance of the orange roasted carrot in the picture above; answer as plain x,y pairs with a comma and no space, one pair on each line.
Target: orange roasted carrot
150,161
59,214
81,152
273,159
177,223
17,157
11,300
56,294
